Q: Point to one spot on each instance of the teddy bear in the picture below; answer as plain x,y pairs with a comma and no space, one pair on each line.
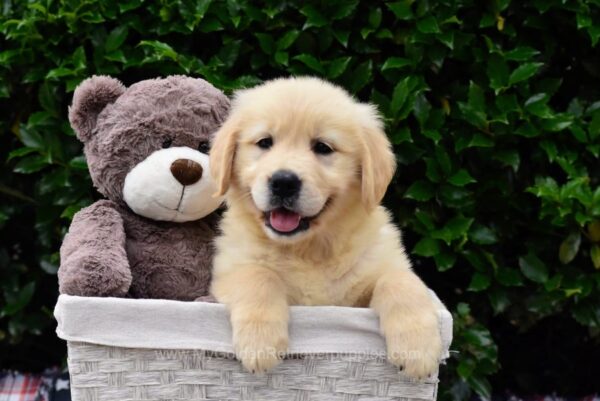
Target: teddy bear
146,147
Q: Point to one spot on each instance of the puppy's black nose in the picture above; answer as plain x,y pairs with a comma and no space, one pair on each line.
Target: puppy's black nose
186,171
285,184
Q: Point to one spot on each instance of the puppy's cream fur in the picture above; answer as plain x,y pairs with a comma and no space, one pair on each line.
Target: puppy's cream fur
351,255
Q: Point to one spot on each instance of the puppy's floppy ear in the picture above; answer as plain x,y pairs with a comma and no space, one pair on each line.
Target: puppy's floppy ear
222,154
89,99
378,162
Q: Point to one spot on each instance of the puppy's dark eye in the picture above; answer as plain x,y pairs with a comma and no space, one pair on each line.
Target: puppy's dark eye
167,143
204,147
265,143
321,148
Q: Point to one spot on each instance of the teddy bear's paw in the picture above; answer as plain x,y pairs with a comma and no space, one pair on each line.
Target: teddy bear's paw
415,348
260,346
94,275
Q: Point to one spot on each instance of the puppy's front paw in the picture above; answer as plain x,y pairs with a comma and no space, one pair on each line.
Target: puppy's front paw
260,346
415,347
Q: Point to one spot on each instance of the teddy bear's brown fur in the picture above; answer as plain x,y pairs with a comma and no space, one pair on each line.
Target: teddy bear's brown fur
110,250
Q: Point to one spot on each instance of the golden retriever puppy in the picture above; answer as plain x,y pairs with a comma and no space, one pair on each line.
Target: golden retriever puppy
304,168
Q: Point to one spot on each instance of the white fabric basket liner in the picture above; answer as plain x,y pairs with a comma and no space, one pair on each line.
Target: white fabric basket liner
165,324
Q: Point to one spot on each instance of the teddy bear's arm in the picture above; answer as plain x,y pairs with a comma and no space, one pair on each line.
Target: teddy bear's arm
93,256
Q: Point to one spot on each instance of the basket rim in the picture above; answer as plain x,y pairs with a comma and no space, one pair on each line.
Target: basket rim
168,324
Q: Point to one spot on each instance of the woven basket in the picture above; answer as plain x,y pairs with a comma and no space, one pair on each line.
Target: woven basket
124,349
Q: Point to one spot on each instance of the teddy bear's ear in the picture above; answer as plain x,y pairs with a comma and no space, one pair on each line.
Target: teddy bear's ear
89,99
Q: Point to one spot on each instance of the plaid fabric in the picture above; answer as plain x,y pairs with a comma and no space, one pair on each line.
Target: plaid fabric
51,385
512,397
19,387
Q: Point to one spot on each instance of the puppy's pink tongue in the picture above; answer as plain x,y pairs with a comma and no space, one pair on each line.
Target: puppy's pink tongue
284,220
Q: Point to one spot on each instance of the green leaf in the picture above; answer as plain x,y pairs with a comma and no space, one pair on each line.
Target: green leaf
583,20
60,72
533,268
550,149
420,190
481,386
434,135
569,248
395,63
432,171
31,164
78,59
314,18
579,133
455,197
497,72
4,90
117,56
31,138
499,299
507,103
455,228
20,152
344,9
79,163
553,283
537,105
427,247
593,228
428,25
509,277
594,34
425,219
201,7
127,5
20,300
375,17
461,178
399,96
444,261
476,97
92,17
459,225
558,123
400,135
162,50
361,76
443,160
282,58
509,157
421,108
48,267
482,235
342,36
521,53
524,72
311,62
465,368
594,127
476,140
595,255
266,42
116,38
477,118
338,66
288,39
479,282
527,130
401,9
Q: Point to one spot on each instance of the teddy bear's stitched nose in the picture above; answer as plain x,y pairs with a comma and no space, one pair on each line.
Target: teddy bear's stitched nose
186,171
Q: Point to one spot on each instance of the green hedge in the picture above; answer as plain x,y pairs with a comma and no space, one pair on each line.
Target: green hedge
493,108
